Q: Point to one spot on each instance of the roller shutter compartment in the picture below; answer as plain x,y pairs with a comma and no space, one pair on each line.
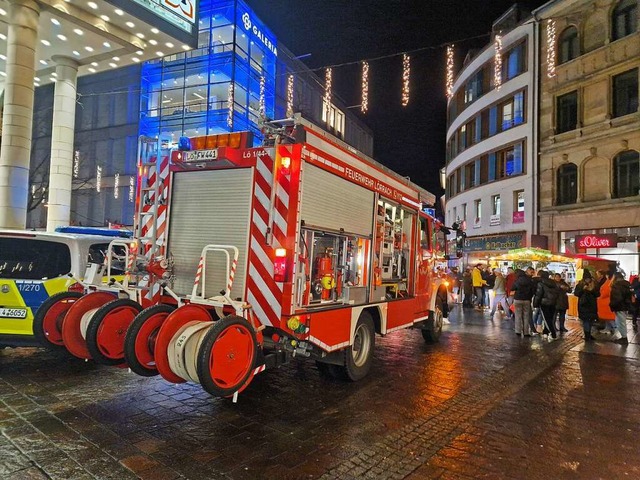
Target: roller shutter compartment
330,202
209,207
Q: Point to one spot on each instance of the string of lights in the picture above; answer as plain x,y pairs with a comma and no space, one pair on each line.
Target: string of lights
290,85
364,106
497,63
230,100
262,107
551,48
116,185
328,78
449,79
406,78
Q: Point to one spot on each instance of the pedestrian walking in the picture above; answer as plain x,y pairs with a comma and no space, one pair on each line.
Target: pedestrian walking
489,277
535,317
563,302
478,284
604,311
522,293
620,304
467,289
546,297
635,305
509,280
500,293
587,291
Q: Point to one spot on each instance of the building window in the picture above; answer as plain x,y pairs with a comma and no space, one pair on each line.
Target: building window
334,118
626,168
473,88
512,160
625,93
463,212
567,178
477,206
512,111
567,112
624,20
470,174
568,45
518,201
515,62
495,205
455,215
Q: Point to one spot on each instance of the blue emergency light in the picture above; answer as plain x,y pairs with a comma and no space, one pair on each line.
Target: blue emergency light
105,232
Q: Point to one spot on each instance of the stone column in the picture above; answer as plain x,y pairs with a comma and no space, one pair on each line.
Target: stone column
62,135
15,152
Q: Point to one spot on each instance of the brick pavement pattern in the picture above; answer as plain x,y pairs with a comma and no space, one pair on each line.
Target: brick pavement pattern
481,404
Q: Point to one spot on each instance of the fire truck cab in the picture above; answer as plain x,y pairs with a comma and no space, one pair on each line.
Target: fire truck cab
247,257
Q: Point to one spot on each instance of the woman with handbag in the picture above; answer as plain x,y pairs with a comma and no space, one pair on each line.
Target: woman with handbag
587,291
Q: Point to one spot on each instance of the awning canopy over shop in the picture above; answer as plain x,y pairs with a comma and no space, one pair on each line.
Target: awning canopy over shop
533,254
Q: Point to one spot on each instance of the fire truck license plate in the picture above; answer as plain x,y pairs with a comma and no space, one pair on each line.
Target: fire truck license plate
201,156
13,313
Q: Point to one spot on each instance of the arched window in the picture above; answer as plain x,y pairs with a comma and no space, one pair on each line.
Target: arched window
568,45
624,19
626,174
567,179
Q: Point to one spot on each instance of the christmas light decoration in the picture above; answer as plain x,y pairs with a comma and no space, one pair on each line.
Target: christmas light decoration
116,185
449,79
365,87
262,101
76,163
406,76
497,63
230,105
327,92
98,178
551,49
290,84
132,188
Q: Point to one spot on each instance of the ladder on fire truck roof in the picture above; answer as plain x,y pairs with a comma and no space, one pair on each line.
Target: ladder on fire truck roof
151,194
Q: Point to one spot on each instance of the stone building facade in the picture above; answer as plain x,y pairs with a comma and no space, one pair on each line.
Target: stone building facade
589,165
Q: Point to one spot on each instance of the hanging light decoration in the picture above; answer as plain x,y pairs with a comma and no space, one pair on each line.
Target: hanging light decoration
230,103
132,188
551,49
364,106
497,63
449,79
76,163
116,185
406,76
327,91
262,99
98,178
290,81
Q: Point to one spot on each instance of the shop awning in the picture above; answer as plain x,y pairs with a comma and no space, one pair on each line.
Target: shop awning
532,254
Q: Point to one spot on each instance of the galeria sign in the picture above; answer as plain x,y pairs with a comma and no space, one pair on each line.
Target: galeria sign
608,240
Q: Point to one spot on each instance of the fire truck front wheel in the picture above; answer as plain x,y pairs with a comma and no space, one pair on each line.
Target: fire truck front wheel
227,356
47,323
359,356
433,329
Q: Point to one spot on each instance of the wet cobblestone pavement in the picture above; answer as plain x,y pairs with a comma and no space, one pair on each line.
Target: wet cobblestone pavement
482,403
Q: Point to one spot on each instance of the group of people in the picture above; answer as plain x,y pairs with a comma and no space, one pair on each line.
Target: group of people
536,301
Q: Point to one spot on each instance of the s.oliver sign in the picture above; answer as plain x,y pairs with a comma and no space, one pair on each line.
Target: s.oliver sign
495,243
603,240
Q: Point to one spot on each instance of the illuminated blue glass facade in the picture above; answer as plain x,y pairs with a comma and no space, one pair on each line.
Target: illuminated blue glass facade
215,88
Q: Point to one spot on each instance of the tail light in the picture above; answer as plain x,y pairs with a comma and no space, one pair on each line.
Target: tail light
76,287
285,166
280,265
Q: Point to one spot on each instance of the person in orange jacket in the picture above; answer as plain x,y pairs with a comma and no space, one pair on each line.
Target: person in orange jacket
604,311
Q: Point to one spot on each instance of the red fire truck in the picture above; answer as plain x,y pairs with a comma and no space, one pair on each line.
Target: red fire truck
246,257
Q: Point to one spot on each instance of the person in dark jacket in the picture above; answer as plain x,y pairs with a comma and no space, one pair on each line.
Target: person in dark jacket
467,289
587,291
522,292
546,297
562,305
620,304
635,306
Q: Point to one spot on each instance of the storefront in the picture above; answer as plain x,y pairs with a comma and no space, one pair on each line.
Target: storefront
616,244
480,249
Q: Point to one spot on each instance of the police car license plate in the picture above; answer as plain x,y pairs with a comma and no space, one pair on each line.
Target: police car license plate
13,312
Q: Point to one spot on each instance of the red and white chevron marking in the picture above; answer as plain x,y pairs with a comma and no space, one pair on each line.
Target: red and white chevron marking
264,294
232,273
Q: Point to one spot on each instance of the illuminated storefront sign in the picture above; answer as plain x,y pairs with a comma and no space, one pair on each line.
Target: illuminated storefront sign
179,13
249,24
606,240
495,243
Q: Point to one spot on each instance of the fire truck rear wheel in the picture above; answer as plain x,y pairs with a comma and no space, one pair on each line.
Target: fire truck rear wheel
359,356
47,322
227,356
107,329
139,342
432,333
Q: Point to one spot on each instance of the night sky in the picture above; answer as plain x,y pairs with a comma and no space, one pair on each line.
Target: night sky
410,140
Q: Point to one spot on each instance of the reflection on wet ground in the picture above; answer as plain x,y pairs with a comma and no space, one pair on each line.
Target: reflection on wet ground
62,418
